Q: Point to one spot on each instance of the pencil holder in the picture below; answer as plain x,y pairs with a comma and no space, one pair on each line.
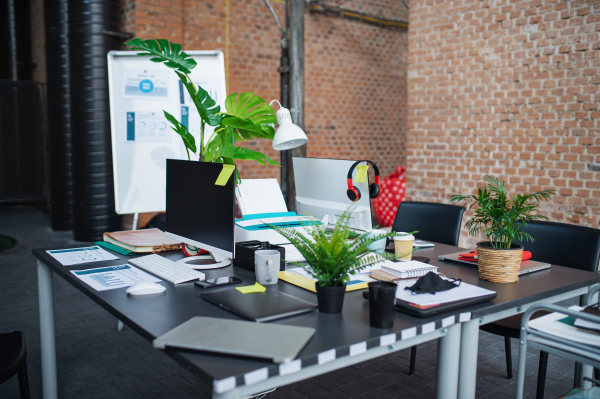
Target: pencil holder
244,253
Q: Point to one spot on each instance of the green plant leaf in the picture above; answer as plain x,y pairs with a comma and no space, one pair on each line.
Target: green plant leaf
206,106
245,153
188,140
498,216
332,258
249,116
164,51
219,148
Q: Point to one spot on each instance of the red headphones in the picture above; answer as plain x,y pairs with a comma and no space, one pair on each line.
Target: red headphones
353,192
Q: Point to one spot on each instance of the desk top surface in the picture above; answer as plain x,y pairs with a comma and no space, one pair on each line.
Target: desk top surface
156,315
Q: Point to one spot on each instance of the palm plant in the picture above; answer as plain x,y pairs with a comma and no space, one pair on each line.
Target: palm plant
500,217
247,115
333,257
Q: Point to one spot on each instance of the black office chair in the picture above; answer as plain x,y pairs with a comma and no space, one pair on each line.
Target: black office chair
558,244
434,222
13,354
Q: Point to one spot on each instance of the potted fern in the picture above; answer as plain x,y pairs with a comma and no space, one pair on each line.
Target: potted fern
500,217
247,116
333,257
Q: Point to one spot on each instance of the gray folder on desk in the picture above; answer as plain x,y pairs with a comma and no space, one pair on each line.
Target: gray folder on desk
275,342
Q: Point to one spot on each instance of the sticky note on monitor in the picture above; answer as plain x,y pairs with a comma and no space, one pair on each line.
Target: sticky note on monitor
361,173
225,174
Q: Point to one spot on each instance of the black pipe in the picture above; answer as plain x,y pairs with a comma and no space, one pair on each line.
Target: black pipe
93,191
59,114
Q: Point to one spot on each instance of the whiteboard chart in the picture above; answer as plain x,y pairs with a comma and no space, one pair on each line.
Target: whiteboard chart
142,138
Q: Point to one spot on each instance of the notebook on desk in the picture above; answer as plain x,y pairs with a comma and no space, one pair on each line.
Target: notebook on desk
261,306
527,266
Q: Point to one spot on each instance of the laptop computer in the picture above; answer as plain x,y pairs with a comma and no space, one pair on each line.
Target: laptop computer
278,343
260,306
527,266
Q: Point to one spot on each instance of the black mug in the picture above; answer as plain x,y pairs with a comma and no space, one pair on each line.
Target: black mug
382,304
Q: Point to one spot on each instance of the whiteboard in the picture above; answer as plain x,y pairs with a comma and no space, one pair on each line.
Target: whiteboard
142,138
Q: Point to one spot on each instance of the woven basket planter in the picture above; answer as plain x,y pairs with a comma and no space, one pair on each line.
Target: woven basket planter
499,265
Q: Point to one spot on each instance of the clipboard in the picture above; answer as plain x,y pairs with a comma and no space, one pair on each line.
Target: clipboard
308,284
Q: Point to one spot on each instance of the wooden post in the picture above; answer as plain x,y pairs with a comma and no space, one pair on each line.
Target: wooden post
296,89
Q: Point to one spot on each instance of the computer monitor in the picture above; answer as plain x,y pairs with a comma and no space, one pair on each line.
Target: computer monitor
199,212
321,186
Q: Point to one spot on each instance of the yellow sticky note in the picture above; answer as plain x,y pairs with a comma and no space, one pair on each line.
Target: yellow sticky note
251,289
225,174
361,173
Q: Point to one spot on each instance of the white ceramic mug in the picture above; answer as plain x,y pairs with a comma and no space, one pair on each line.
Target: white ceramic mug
379,245
266,266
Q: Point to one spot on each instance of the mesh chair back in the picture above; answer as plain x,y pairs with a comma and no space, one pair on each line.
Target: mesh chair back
563,245
435,222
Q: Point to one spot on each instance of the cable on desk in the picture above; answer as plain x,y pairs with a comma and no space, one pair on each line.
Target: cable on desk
260,395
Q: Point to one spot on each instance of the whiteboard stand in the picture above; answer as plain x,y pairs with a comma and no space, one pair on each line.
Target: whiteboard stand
141,138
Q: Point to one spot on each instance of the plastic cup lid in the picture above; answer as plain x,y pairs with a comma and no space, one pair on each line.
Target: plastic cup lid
406,237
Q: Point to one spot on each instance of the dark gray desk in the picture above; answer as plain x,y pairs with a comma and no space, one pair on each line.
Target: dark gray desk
549,286
346,338
340,340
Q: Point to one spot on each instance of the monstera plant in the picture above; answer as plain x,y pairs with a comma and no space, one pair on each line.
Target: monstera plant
246,116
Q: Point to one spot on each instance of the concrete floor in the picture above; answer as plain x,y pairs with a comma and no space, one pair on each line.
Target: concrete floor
96,361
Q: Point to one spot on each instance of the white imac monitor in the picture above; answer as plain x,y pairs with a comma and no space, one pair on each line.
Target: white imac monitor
321,186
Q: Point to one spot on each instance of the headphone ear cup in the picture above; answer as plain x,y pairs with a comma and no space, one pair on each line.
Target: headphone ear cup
374,190
354,194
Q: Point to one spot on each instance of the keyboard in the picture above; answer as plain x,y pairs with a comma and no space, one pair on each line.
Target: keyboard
166,269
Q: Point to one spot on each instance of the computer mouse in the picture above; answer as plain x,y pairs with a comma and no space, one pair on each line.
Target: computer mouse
145,288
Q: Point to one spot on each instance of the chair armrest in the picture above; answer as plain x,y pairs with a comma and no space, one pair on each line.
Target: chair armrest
590,295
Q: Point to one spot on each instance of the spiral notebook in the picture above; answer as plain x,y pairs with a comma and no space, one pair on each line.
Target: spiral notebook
408,269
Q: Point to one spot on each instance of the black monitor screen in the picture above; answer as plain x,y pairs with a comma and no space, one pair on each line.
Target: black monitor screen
198,210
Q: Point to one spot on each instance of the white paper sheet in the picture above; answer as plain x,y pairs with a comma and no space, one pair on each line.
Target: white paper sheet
112,277
283,219
260,196
551,325
292,254
78,256
464,291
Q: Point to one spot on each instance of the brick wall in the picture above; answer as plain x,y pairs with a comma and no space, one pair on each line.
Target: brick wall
355,73
506,87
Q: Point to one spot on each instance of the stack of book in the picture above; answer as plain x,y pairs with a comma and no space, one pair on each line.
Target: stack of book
394,271
142,241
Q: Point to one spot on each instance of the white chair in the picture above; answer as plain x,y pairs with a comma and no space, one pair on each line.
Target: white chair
544,340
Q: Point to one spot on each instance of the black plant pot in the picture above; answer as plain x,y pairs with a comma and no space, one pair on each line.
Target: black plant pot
330,299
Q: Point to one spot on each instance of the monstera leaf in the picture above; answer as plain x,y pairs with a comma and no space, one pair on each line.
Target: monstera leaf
207,107
220,148
245,153
248,116
188,140
164,51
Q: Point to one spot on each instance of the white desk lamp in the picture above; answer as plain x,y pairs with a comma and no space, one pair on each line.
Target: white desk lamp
288,135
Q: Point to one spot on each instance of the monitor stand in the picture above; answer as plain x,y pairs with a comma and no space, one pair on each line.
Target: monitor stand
206,261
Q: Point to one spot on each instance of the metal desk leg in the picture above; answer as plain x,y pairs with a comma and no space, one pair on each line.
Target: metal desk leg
448,361
469,342
47,333
587,371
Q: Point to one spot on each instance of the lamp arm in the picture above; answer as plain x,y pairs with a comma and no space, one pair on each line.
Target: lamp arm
276,19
